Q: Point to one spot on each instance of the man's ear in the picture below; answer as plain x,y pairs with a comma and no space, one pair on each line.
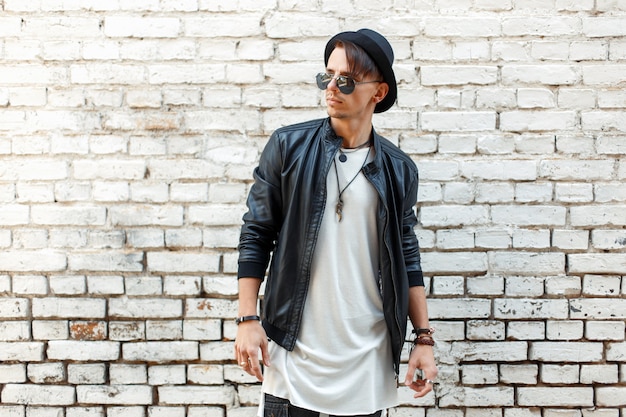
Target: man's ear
381,92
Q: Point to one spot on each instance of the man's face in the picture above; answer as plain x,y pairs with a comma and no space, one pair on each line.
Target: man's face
361,102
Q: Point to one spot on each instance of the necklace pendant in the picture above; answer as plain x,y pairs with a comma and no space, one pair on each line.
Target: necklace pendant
339,209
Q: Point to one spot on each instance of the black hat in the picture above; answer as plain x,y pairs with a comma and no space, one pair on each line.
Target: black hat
379,49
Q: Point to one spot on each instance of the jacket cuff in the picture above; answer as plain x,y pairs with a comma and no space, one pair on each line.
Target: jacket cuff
416,279
251,270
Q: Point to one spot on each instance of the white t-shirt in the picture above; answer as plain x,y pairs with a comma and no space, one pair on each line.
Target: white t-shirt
342,362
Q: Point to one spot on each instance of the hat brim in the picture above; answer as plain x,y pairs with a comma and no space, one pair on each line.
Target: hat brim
379,57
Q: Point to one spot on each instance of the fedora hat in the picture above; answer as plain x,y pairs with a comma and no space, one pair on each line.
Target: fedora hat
379,49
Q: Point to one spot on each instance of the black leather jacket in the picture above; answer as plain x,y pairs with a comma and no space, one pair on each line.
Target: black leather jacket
285,208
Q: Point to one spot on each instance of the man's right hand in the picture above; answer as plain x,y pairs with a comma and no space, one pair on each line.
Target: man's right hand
251,338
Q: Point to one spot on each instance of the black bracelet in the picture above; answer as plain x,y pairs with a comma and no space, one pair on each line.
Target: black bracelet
428,331
240,320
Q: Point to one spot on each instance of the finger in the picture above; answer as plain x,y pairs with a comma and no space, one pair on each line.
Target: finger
421,387
265,354
410,374
255,368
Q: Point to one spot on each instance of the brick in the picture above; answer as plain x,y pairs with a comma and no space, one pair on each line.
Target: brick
529,215
524,286
68,308
564,330
144,215
50,330
603,374
606,193
196,395
143,285
566,352
592,215
502,170
83,350
570,239
604,330
530,309
600,263
40,373
598,308
112,261
33,169
486,285
121,374
454,26
182,285
457,121
160,352
527,263
176,262
21,351
85,374
611,396
33,260
14,307
563,285
114,394
14,331
487,351
469,308
12,374
99,73
537,120
454,262
126,330
210,308
553,74
601,285
202,330
183,238
205,374
164,330
599,27
541,26
241,26
485,330
145,308
480,397
34,394
166,375
555,397
141,27
146,238
560,374
519,374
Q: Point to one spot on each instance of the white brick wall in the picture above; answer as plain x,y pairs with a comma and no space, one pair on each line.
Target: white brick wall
128,135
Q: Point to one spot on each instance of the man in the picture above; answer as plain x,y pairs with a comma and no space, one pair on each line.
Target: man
333,204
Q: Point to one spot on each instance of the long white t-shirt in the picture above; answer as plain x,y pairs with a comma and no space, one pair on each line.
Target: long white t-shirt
342,363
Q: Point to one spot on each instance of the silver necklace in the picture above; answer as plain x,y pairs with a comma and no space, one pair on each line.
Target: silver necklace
339,206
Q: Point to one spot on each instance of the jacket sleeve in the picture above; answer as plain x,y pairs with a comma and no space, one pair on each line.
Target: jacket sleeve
410,245
262,221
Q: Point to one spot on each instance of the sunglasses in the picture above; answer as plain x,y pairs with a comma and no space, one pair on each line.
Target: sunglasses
345,84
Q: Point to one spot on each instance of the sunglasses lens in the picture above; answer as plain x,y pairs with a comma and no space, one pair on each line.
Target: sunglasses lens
344,84
323,80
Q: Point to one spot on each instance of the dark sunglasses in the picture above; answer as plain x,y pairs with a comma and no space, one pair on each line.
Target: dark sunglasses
345,84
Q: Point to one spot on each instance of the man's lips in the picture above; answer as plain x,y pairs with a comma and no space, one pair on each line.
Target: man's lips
332,100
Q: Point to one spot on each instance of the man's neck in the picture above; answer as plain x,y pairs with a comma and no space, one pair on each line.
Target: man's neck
353,134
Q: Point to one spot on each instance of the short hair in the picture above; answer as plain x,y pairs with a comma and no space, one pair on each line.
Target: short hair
360,63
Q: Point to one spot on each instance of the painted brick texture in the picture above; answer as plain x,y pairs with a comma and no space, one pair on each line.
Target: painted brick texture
128,135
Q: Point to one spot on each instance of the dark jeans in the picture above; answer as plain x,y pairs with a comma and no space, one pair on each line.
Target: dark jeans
279,407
